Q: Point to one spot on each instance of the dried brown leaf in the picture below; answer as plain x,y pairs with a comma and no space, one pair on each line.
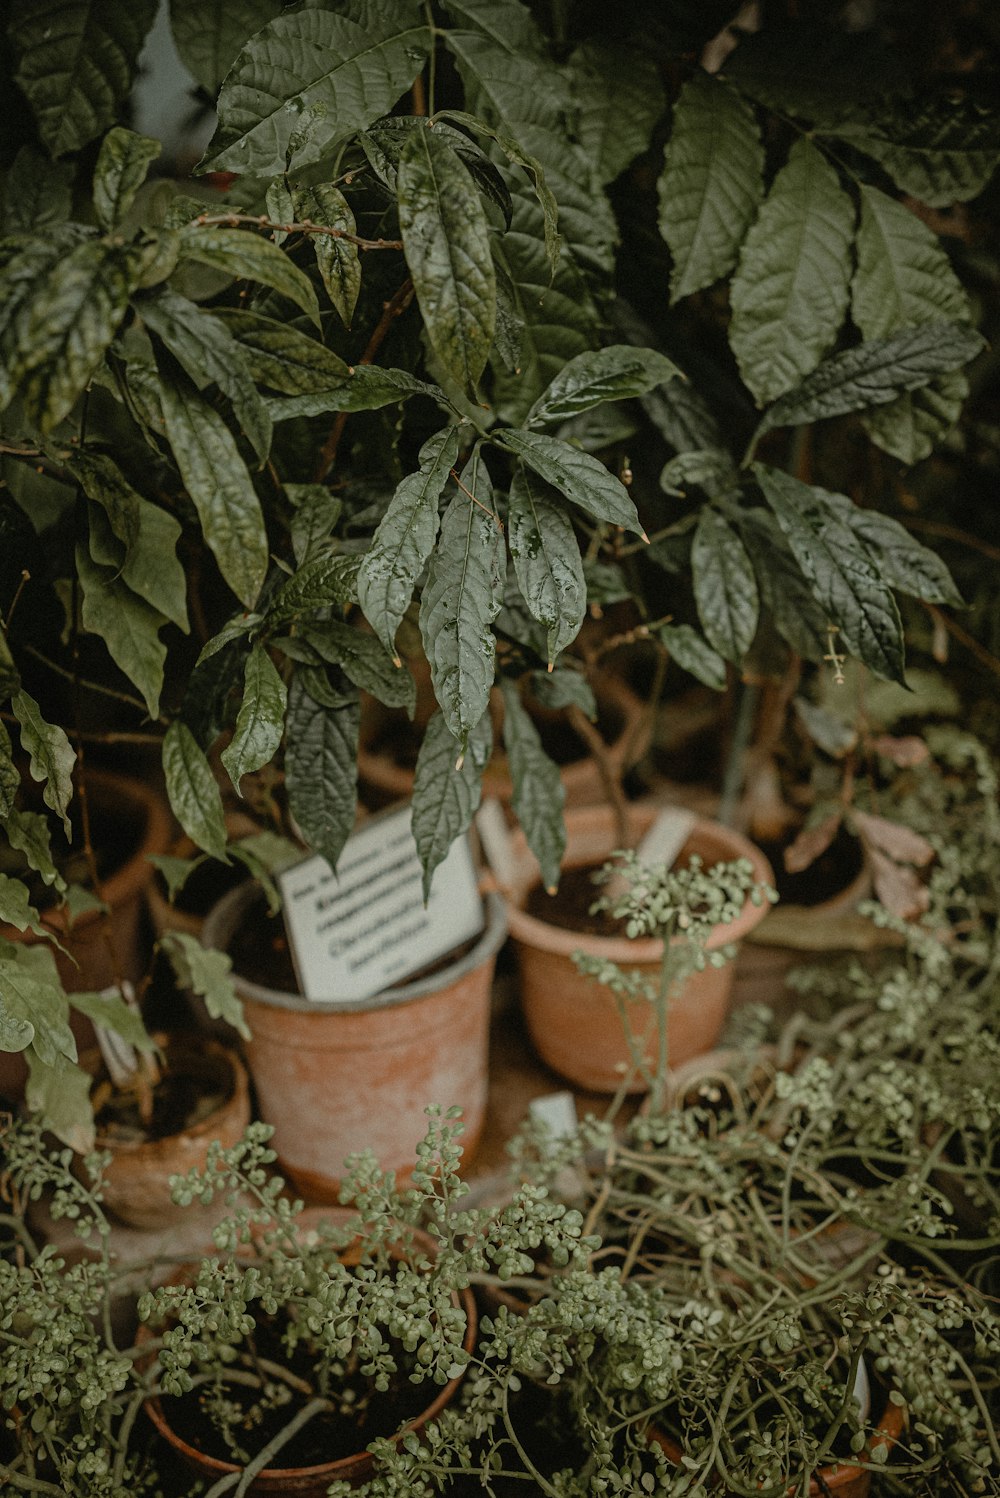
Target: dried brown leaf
810,843
899,842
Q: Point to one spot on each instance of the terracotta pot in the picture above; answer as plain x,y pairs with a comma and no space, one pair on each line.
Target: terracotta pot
846,1479
573,1020
312,1482
137,1182
88,964
387,780
337,1078
182,914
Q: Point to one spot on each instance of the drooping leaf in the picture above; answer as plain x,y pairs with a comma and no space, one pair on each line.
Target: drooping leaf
581,478
446,240
368,387
563,687
111,1012
694,654
208,355
608,374
682,415
16,908
363,660
447,788
712,183
234,629
329,581
28,832
943,150
786,591
220,485
619,98
76,63
845,579
712,468
128,625
384,141
338,259
122,164
242,254
281,356
461,598
37,192
321,770
330,73
209,33
59,1094
725,586
51,756
317,511
547,561
193,791
538,789
36,997
901,560
261,718
405,538
875,373
208,973
789,293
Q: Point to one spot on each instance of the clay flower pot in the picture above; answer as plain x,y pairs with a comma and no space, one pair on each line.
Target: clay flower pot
336,1078
573,1020
137,1181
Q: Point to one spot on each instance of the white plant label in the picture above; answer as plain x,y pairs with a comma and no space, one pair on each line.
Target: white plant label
557,1111
357,932
665,839
120,1059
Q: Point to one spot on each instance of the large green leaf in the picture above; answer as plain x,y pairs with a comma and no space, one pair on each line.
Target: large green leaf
446,239
309,78
317,511
367,388
546,557
51,757
904,280
10,779
363,660
581,478
282,357
243,254
148,560
260,720
619,99
941,151
193,791
694,654
218,482
28,832
725,587
76,63
786,591
209,33
37,192
208,973
122,164
461,598
383,145
405,538
59,1094
128,625
902,561
538,789
16,908
845,579
35,997
789,293
608,374
712,183
447,788
326,582
60,335
321,770
209,355
338,259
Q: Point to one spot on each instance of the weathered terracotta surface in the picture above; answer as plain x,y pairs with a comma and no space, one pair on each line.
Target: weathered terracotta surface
574,1021
137,1182
333,1081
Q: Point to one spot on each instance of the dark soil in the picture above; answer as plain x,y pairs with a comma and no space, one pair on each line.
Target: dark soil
328,1437
205,886
832,872
191,1087
569,907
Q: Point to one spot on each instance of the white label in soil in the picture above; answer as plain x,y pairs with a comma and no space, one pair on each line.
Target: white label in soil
365,928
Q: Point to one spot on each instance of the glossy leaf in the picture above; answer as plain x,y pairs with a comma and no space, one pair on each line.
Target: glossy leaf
461,598
942,150
193,791
384,141
308,78
233,629
789,293
582,479
317,511
328,581
694,654
208,34
208,355
51,757
207,973
902,561
725,587
363,660
619,99
367,388
77,62
845,580
405,538
261,718
218,482
539,793
712,183
242,254
338,259
37,192
128,625
281,356
608,374
546,557
321,770
446,240
447,789
122,164
786,591
148,535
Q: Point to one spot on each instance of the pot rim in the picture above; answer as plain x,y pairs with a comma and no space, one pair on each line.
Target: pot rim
630,951
222,923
